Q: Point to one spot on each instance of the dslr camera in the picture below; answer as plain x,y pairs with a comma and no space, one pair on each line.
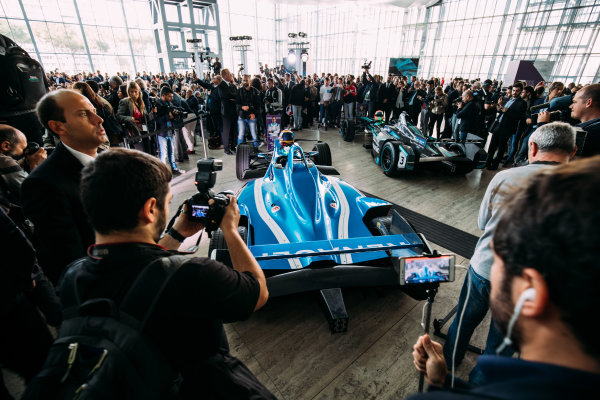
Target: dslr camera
199,210
367,65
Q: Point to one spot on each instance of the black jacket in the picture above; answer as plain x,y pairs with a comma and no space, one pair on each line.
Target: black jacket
469,116
508,122
51,200
591,145
250,98
386,92
113,99
228,95
297,95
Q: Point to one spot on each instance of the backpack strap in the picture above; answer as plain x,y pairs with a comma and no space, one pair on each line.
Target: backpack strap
135,309
149,284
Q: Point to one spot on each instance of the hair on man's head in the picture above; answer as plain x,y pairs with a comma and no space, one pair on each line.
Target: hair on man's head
117,184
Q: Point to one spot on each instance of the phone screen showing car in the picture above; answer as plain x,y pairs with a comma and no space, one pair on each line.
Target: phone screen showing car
199,211
415,270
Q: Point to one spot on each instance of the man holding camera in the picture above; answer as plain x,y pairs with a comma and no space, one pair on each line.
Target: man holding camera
128,216
166,116
544,290
549,145
511,114
12,149
273,98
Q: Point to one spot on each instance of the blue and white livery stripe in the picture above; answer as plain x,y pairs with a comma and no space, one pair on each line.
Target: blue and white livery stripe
344,219
270,222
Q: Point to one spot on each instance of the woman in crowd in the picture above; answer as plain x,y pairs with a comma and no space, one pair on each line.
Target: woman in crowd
122,93
438,109
349,98
133,112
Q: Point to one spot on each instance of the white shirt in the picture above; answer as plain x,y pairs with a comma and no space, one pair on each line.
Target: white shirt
84,159
325,92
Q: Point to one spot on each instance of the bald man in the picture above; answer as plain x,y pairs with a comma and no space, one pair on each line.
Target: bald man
12,145
50,195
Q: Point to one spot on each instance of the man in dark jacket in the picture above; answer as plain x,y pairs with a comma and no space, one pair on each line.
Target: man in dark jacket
387,95
228,95
511,114
113,97
545,249
415,101
297,99
586,108
248,106
468,113
50,195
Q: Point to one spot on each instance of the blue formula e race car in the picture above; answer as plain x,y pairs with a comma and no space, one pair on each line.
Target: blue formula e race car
311,231
401,147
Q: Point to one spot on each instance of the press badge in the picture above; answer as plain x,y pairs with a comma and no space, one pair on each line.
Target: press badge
145,128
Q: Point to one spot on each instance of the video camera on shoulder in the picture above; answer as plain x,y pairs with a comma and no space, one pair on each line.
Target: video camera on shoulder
199,209
427,269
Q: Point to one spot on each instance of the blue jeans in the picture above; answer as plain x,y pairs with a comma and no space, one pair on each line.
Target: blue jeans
513,143
524,150
349,110
297,112
242,130
167,153
475,311
323,115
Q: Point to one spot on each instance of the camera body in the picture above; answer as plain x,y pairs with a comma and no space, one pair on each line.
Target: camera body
367,65
199,209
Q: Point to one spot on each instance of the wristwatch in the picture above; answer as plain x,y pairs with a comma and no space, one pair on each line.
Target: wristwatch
176,235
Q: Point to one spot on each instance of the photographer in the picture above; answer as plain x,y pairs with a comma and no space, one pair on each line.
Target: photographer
586,108
544,288
437,110
549,145
187,323
468,114
166,115
511,114
415,97
12,160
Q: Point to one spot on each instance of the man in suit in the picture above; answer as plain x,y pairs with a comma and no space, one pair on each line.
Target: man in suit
468,113
511,114
50,195
228,95
387,96
415,101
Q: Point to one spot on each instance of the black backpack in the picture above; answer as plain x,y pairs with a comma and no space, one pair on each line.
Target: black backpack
100,352
23,80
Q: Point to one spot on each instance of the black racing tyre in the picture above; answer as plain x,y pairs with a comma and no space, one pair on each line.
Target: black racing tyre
242,160
388,159
457,148
348,130
324,156
217,241
464,168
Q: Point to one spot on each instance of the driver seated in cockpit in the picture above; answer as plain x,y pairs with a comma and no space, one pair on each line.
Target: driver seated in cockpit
286,139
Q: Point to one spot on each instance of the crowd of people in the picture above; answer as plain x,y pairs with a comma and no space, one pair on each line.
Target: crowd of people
533,262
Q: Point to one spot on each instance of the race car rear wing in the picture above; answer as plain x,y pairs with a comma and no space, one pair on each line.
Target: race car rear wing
335,246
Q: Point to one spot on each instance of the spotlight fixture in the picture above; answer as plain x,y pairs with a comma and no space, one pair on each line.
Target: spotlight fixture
292,35
304,56
302,34
291,57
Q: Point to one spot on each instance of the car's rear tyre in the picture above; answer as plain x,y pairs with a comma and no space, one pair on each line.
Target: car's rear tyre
242,160
217,241
388,159
324,156
348,130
